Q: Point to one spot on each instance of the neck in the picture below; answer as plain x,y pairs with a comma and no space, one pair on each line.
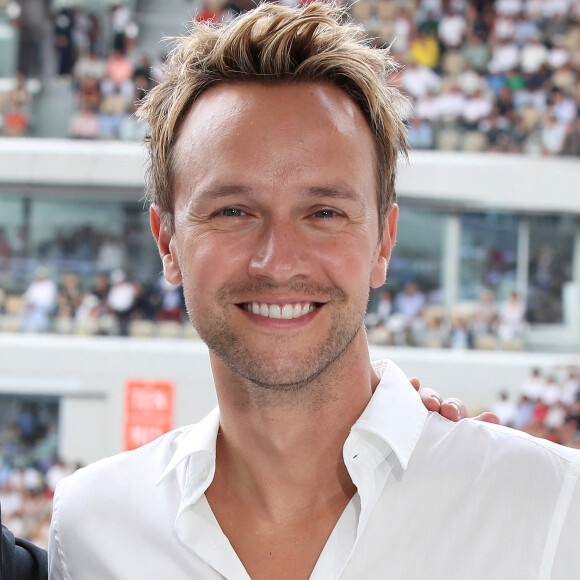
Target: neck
275,443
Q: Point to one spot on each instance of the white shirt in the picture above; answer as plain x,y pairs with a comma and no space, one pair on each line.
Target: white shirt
435,500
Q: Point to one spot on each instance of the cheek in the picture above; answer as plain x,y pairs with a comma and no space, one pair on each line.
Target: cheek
210,260
350,260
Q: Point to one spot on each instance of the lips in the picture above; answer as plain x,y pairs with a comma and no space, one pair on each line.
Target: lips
280,311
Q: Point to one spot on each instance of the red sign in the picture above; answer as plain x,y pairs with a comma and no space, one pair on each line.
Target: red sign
148,411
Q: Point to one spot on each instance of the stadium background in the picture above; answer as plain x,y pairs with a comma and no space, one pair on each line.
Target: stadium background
96,354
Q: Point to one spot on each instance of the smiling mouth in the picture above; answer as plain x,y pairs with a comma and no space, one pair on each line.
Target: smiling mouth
280,311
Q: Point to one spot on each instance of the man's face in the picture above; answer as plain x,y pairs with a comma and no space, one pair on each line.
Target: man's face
276,227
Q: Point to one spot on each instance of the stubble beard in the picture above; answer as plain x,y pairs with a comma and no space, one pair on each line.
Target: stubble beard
275,372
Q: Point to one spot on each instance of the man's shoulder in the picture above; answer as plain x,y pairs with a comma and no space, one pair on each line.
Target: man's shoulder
137,467
499,449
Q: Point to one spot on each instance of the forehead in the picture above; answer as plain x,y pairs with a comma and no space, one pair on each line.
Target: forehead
272,122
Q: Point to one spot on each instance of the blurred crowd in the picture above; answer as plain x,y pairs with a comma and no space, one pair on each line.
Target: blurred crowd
29,467
545,407
414,318
497,76
93,52
108,304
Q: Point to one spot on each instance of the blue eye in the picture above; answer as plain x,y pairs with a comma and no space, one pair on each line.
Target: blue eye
325,213
231,212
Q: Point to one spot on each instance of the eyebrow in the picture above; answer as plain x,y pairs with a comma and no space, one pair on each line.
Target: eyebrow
332,192
223,191
335,192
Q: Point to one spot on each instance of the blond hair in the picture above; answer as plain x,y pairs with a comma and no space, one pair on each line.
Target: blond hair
274,43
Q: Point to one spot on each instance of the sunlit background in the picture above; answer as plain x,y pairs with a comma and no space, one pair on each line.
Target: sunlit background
483,296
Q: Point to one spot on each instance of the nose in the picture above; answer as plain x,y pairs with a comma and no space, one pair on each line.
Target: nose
281,254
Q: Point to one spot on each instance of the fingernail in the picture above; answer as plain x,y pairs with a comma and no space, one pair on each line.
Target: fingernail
436,398
456,407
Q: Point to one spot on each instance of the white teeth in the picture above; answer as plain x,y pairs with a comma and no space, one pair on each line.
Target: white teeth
277,311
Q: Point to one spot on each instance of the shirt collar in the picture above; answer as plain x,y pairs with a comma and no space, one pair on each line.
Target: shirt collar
200,440
395,413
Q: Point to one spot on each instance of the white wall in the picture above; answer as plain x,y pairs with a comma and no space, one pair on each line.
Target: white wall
486,181
89,375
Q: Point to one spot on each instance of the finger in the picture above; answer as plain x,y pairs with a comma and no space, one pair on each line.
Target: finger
415,382
488,417
453,409
431,399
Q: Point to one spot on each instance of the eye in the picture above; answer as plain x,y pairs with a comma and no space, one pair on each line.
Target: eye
325,213
231,212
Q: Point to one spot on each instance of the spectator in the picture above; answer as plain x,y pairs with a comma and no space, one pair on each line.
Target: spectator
505,409
451,29
418,81
170,298
40,303
552,392
511,318
533,55
534,386
84,124
505,56
121,300
424,50
476,53
119,75
553,135
63,26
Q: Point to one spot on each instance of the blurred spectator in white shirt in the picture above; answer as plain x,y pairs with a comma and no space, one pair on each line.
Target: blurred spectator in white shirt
417,80
534,385
451,29
524,30
552,8
533,55
571,388
504,27
40,299
552,392
121,300
511,7
403,28
410,303
469,81
450,104
56,473
511,318
562,106
505,409
427,108
558,55
552,135
476,108
485,314
505,56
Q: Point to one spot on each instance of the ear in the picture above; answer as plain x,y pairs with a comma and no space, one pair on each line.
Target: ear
379,270
166,245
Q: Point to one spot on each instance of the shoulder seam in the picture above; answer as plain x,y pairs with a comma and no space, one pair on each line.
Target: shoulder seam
559,516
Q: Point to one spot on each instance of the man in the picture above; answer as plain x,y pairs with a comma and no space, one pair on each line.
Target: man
273,147
21,560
